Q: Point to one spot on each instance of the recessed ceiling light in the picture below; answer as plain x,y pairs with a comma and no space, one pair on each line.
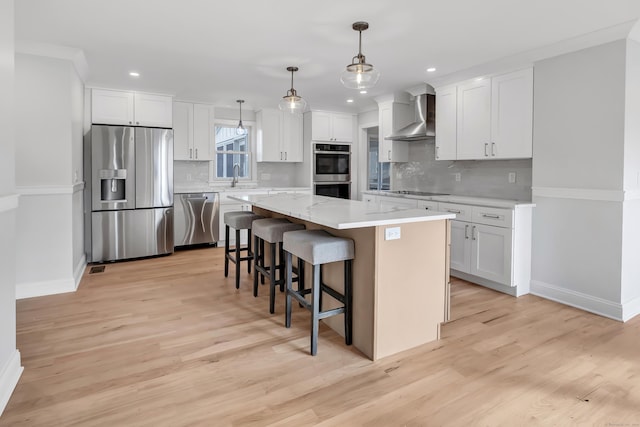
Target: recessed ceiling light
363,92
349,100
431,69
134,74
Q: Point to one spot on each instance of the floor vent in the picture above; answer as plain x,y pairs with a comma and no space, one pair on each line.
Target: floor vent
98,269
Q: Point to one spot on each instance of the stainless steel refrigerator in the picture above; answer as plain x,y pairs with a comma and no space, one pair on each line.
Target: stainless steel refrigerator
129,192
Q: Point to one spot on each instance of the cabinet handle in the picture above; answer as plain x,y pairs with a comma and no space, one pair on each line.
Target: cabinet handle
389,155
281,155
491,216
191,153
454,211
486,145
137,123
473,232
130,122
285,155
493,145
196,153
437,149
466,228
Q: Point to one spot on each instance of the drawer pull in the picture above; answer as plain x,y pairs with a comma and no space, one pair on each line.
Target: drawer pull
466,228
491,216
473,233
454,211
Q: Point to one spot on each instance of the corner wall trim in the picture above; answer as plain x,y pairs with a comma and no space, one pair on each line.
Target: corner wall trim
9,202
579,300
630,309
78,272
9,376
49,287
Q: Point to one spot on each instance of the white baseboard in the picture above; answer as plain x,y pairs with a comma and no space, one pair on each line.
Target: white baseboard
579,300
510,290
49,287
9,376
630,309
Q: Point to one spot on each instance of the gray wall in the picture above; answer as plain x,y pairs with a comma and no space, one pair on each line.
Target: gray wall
8,352
481,178
578,145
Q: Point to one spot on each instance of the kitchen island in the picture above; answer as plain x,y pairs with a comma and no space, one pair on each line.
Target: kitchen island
400,270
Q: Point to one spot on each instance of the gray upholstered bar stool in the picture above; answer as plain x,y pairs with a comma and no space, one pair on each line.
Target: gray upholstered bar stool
270,230
317,247
238,220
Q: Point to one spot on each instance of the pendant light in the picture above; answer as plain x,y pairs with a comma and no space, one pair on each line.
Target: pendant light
240,130
359,74
291,102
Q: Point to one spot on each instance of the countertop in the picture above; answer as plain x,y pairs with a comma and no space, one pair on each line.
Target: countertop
226,189
450,198
339,213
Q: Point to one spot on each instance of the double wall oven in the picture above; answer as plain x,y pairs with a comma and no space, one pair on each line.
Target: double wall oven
332,170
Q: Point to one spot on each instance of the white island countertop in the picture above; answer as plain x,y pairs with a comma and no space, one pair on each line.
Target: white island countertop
340,214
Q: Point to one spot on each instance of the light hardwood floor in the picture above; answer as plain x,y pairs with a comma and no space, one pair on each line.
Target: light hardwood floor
169,341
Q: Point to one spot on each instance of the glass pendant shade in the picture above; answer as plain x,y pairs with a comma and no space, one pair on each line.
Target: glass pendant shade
359,74
292,102
240,130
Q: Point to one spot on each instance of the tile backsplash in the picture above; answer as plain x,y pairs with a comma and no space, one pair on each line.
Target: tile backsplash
196,174
481,178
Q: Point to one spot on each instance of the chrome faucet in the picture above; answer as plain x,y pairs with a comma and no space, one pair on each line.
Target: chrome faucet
236,173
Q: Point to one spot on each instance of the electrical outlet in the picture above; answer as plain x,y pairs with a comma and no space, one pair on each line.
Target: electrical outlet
512,177
457,176
392,233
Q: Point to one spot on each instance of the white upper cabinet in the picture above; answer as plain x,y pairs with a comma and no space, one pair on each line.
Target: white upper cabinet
489,118
512,115
114,107
279,136
328,126
446,129
192,131
391,117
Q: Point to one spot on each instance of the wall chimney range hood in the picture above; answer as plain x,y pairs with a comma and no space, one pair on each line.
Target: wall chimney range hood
424,127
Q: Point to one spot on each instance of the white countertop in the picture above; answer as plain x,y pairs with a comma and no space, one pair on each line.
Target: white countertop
339,213
226,189
450,198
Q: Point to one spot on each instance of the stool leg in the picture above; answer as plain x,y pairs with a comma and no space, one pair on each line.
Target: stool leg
315,302
237,259
226,250
288,274
262,260
249,253
281,264
272,278
348,299
320,294
256,273
300,277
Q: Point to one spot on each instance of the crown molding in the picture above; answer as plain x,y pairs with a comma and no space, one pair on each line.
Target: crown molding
76,56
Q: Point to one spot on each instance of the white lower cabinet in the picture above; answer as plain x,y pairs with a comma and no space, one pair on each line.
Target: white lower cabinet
397,201
491,244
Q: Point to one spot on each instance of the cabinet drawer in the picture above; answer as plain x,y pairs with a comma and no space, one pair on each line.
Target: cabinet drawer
463,212
428,205
493,216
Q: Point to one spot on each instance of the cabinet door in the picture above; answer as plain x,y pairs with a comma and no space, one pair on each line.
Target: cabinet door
153,110
292,137
446,132
512,115
474,120
397,202
111,107
460,257
182,131
320,126
342,127
491,253
389,151
269,124
202,131
428,205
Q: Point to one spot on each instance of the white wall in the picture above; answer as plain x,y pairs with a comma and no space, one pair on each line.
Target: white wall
10,368
630,294
49,120
577,178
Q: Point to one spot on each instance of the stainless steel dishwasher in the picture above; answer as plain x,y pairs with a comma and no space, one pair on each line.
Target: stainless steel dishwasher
196,217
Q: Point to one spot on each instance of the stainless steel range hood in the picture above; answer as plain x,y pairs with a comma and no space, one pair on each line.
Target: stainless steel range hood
424,127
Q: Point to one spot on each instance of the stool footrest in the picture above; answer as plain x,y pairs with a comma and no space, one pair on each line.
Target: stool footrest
297,296
332,312
335,294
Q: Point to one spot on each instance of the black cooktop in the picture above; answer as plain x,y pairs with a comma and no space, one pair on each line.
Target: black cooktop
417,193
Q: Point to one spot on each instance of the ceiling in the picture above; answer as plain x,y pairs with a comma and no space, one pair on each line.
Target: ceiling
219,51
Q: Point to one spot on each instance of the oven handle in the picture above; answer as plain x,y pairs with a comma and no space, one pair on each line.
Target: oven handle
331,182
332,152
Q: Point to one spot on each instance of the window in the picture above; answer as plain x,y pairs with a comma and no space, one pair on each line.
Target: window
379,177
232,149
